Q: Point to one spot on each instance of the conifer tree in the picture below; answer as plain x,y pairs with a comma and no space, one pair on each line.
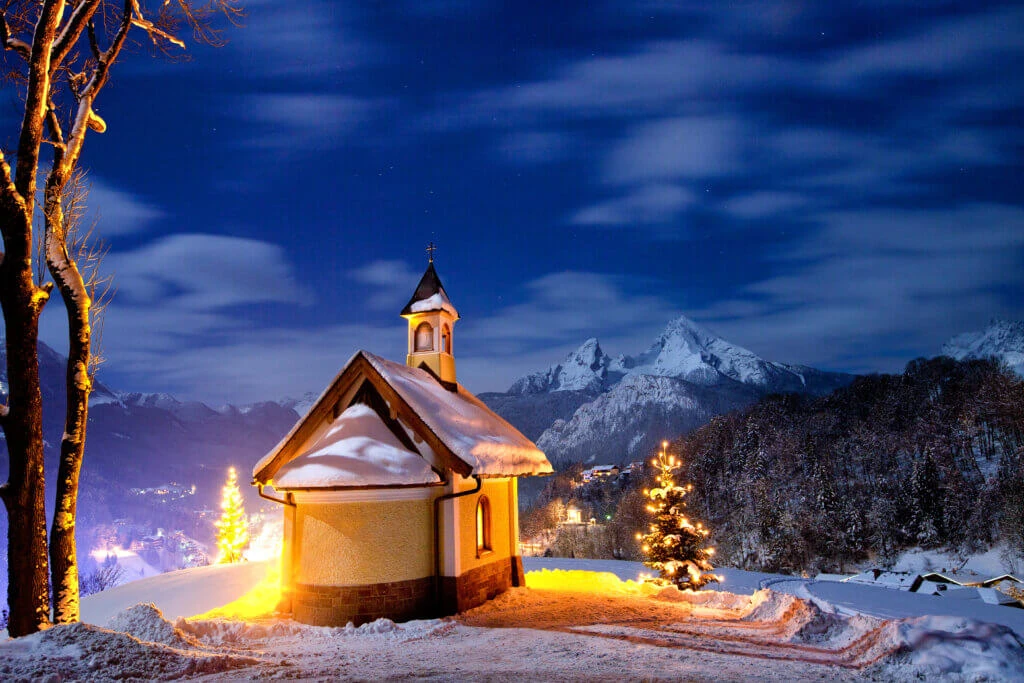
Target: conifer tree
232,527
926,489
675,547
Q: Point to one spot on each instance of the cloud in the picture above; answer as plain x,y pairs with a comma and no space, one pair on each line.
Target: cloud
300,40
683,147
649,204
190,316
202,272
116,212
391,283
763,204
944,47
903,280
568,307
637,83
534,147
258,363
299,122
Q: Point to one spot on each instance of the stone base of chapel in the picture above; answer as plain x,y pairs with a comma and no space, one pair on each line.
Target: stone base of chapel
338,605
405,600
477,586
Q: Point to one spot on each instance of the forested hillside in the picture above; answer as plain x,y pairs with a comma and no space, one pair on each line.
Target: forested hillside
931,458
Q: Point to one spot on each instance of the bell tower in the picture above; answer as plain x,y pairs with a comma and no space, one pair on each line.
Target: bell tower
431,318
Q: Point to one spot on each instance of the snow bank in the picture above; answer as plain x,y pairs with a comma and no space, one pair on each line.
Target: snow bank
946,647
83,651
146,622
179,594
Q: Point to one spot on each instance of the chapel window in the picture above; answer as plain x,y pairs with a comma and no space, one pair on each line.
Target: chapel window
483,525
446,339
424,337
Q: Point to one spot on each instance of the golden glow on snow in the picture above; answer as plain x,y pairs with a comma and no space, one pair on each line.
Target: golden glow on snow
258,602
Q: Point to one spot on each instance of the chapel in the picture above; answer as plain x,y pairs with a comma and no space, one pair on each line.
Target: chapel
399,486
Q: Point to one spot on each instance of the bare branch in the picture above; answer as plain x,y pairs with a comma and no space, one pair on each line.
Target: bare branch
94,43
36,99
10,42
151,28
53,123
72,31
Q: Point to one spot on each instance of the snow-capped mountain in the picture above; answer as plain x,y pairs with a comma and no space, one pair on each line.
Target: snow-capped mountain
631,419
592,407
1002,339
585,369
687,351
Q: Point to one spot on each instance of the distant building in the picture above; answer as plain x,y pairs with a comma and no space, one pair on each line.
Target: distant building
633,468
600,472
573,515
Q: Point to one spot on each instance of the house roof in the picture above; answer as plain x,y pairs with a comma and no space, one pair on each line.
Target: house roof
358,449
429,295
457,430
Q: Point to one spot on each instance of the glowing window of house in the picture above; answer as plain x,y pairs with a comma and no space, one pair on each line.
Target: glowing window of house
424,337
446,339
483,525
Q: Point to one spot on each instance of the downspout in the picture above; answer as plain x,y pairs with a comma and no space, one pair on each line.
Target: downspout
437,533
287,501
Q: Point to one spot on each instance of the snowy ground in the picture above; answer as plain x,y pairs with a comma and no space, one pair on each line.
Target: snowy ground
573,623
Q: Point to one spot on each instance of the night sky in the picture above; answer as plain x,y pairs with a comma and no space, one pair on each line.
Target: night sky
836,184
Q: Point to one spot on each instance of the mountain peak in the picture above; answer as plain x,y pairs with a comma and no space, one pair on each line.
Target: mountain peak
1002,339
684,350
584,369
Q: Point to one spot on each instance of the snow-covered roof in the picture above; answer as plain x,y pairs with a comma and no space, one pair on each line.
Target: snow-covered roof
903,581
429,295
471,430
480,441
435,302
358,449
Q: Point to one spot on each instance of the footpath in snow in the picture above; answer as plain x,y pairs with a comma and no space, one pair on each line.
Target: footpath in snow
575,619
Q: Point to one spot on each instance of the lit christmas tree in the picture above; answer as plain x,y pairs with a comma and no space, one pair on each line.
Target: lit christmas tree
674,546
232,527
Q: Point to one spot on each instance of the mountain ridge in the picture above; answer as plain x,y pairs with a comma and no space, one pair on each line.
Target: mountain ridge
603,409
1001,338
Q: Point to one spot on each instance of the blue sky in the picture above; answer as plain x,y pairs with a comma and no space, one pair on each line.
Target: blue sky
837,184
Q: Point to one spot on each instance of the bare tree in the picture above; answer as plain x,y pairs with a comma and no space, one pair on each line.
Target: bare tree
73,259
59,54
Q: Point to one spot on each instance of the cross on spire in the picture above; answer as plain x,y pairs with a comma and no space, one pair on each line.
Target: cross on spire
431,248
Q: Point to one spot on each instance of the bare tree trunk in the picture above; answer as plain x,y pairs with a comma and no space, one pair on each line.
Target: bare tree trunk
28,593
80,68
63,552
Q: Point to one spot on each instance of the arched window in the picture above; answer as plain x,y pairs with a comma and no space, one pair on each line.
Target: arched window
424,340
446,339
483,525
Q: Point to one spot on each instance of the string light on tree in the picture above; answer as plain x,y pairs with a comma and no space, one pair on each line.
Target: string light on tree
675,547
233,525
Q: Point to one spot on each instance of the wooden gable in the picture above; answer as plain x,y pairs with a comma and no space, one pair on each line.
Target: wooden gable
360,382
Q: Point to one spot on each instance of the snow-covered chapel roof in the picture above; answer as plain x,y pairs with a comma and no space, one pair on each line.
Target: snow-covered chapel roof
453,428
429,295
357,449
